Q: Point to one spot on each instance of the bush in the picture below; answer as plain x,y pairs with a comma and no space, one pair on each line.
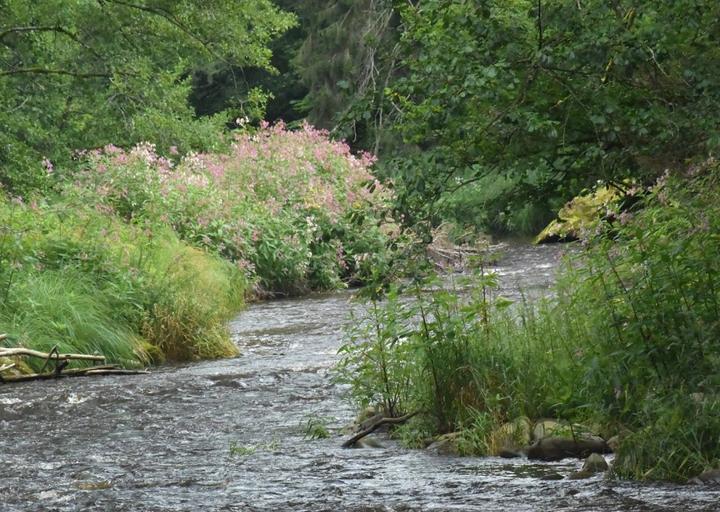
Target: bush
292,207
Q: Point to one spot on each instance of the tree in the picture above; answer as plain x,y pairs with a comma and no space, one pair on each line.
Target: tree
552,95
77,75
346,62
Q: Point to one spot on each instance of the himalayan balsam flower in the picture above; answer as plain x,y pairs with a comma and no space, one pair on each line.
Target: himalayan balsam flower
47,164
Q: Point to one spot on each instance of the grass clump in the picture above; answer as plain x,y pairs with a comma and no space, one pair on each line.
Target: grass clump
88,282
627,343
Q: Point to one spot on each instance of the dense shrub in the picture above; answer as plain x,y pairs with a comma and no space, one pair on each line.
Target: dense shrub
291,207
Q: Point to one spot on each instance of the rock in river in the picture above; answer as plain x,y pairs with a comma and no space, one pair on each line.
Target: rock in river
557,448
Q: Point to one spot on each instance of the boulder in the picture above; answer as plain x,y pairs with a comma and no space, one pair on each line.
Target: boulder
614,443
557,448
710,477
546,428
595,463
446,444
510,439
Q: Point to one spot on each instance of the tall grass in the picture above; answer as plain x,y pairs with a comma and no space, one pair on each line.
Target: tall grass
64,310
89,282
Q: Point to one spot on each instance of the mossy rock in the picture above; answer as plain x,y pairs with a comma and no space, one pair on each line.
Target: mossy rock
446,444
510,439
557,428
581,214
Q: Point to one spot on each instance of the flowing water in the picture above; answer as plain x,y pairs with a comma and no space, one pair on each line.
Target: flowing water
228,435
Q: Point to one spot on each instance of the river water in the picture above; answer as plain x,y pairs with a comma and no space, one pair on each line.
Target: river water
229,435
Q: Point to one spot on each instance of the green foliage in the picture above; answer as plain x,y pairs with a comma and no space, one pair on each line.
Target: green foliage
291,208
551,96
62,309
239,450
629,340
581,215
78,75
677,440
345,62
87,282
316,428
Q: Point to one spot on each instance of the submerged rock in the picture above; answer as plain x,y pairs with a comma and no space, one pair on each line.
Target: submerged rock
368,442
557,448
552,476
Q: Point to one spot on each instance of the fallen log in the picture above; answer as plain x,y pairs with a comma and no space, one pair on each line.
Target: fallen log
54,356
374,426
74,372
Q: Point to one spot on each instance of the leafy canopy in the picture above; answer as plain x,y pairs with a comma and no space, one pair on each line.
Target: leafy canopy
554,94
84,73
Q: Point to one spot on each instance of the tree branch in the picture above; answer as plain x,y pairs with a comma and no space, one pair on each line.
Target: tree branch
170,18
51,28
45,71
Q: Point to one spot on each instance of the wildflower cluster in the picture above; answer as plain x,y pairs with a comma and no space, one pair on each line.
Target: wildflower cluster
292,208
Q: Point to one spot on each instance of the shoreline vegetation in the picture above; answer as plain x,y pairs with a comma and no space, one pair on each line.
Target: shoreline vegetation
625,348
142,252
142,258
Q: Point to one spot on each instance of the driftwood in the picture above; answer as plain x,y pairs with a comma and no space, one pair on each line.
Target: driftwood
60,362
52,355
74,372
375,425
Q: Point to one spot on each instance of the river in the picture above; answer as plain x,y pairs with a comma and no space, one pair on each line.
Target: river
228,435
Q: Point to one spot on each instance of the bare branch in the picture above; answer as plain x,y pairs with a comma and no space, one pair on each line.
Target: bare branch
45,71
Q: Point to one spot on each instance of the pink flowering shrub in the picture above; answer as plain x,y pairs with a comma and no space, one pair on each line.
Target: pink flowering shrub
291,208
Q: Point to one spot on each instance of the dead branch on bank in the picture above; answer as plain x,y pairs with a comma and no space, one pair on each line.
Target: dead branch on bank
375,425
60,362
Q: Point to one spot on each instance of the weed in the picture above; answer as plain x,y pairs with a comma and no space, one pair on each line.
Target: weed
316,428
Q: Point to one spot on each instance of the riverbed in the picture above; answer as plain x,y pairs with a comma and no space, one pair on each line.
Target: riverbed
229,435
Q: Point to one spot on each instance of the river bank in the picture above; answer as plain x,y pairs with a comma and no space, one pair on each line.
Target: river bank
162,442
